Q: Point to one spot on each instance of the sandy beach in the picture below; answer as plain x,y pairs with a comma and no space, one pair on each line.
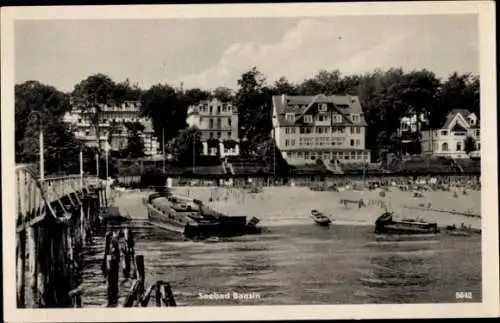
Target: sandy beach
292,205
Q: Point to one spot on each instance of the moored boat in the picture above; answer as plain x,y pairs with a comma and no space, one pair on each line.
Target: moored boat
386,224
453,230
320,219
193,219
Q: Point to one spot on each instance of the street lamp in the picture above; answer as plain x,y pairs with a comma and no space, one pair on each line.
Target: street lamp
33,117
163,147
194,147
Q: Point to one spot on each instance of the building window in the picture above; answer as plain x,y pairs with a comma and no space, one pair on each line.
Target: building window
293,129
444,146
352,142
218,134
319,130
358,130
229,134
444,132
229,122
211,109
321,117
341,130
358,142
308,118
286,142
211,123
293,142
322,107
290,117
211,135
459,146
352,130
355,117
219,123
477,132
287,130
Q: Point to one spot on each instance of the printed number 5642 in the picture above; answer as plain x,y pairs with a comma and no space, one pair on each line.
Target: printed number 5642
463,295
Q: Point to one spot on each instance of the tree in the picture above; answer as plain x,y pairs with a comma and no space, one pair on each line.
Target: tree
223,94
124,91
323,82
194,96
166,108
469,145
89,96
41,106
253,101
457,92
283,86
135,144
187,146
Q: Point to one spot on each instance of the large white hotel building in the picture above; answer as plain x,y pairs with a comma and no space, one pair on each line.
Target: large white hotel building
112,127
331,128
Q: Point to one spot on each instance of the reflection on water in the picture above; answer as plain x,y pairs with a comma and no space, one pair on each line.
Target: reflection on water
306,264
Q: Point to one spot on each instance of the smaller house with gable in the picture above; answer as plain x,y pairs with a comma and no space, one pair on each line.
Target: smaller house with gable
449,140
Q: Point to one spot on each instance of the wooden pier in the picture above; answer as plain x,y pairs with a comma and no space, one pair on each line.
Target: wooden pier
56,218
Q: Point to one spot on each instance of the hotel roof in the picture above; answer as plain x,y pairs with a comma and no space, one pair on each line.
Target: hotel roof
300,105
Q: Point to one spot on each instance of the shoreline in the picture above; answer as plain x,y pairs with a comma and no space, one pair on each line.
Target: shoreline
280,205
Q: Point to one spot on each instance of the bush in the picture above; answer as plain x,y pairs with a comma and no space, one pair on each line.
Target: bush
153,177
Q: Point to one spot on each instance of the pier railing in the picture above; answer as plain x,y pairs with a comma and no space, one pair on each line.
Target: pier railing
56,217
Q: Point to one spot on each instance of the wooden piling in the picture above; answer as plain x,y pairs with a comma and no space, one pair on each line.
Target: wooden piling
139,265
168,296
21,267
112,266
158,293
147,296
32,237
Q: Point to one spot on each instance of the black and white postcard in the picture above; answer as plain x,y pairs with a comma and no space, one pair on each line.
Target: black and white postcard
257,161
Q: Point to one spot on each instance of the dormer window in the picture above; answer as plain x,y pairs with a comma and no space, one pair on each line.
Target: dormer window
290,117
355,117
323,107
308,118
472,121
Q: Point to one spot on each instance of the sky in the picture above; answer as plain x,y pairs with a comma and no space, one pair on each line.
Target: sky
212,52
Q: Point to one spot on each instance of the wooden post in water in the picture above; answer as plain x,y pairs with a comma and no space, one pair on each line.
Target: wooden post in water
158,293
139,265
128,253
113,264
168,296
107,249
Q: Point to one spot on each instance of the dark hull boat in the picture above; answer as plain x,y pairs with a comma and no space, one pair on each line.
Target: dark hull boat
320,219
453,230
386,225
193,219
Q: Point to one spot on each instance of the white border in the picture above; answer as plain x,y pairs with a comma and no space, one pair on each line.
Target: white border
489,207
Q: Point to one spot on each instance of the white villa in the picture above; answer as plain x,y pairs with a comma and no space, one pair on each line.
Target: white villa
449,140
